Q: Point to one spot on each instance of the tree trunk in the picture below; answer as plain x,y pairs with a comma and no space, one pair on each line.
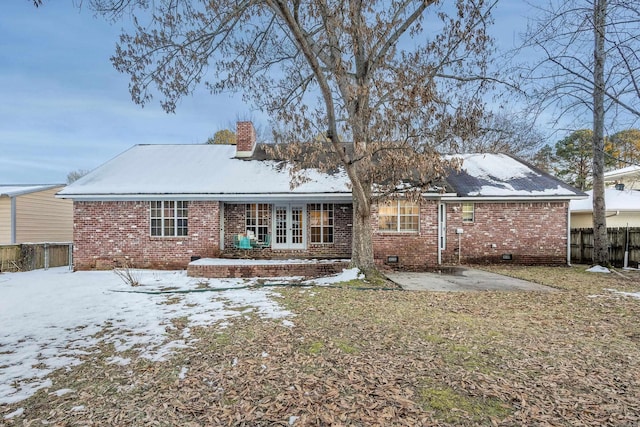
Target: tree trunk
362,239
600,238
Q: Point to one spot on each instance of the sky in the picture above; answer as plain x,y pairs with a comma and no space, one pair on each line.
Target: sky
65,108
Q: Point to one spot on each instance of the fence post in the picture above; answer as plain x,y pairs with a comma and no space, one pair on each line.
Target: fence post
581,243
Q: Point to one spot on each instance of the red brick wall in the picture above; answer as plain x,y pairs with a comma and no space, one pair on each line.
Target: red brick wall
533,232
234,223
415,251
108,234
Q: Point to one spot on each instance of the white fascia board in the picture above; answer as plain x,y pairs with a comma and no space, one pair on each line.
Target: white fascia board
276,197
442,196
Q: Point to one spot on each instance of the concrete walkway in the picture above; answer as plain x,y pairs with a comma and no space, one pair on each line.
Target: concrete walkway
457,279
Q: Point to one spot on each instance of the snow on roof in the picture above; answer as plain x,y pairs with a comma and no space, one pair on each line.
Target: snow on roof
620,173
205,170
18,190
197,170
615,200
500,175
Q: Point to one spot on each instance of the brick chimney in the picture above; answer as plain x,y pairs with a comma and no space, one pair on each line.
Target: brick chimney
245,139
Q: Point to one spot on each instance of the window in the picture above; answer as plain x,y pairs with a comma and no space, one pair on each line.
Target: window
257,220
467,212
321,222
399,215
169,219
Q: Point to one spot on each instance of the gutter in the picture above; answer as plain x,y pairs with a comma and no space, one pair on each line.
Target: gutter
245,197
515,198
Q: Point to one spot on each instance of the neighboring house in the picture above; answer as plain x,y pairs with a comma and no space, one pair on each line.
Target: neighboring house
32,213
629,177
623,208
165,205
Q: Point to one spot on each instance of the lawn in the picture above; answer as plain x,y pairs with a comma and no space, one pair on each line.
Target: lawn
345,356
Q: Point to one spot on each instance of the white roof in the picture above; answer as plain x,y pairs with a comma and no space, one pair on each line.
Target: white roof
615,200
193,171
620,173
201,171
19,190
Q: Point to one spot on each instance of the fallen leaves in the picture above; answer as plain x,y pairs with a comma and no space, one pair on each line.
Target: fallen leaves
381,358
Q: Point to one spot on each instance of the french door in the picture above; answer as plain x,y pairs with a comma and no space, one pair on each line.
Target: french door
289,226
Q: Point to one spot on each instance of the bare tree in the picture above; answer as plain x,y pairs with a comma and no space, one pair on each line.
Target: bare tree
500,133
392,77
589,73
75,175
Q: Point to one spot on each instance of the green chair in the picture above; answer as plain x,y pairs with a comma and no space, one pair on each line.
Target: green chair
265,244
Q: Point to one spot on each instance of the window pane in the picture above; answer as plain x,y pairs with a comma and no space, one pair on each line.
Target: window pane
388,223
315,235
169,218
467,212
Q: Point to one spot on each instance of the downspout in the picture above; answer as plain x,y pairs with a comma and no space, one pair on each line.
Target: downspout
221,222
439,242
568,235
13,220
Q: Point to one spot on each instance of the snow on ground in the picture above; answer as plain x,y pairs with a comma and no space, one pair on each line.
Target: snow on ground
346,275
49,318
598,269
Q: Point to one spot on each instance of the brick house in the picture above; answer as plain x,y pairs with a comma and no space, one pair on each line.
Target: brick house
163,206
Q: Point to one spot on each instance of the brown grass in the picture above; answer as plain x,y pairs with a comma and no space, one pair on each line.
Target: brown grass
384,358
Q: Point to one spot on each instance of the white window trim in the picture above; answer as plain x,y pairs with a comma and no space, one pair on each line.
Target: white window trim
398,216
473,212
162,218
322,226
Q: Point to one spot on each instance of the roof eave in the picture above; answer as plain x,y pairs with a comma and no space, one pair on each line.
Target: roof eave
223,197
516,198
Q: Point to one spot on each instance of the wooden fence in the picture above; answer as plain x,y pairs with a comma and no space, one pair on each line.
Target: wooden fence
621,240
32,256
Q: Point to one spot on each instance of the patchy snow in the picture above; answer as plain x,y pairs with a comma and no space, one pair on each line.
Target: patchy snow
15,413
52,317
346,275
62,392
598,269
183,372
615,200
506,189
495,167
626,294
500,175
631,294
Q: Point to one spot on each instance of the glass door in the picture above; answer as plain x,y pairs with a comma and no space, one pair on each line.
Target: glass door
289,226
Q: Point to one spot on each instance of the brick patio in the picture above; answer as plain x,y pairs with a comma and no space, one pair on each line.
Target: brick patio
306,268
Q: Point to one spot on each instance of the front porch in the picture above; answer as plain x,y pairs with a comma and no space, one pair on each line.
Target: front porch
226,267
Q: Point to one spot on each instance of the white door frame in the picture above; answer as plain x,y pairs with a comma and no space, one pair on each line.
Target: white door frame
295,229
